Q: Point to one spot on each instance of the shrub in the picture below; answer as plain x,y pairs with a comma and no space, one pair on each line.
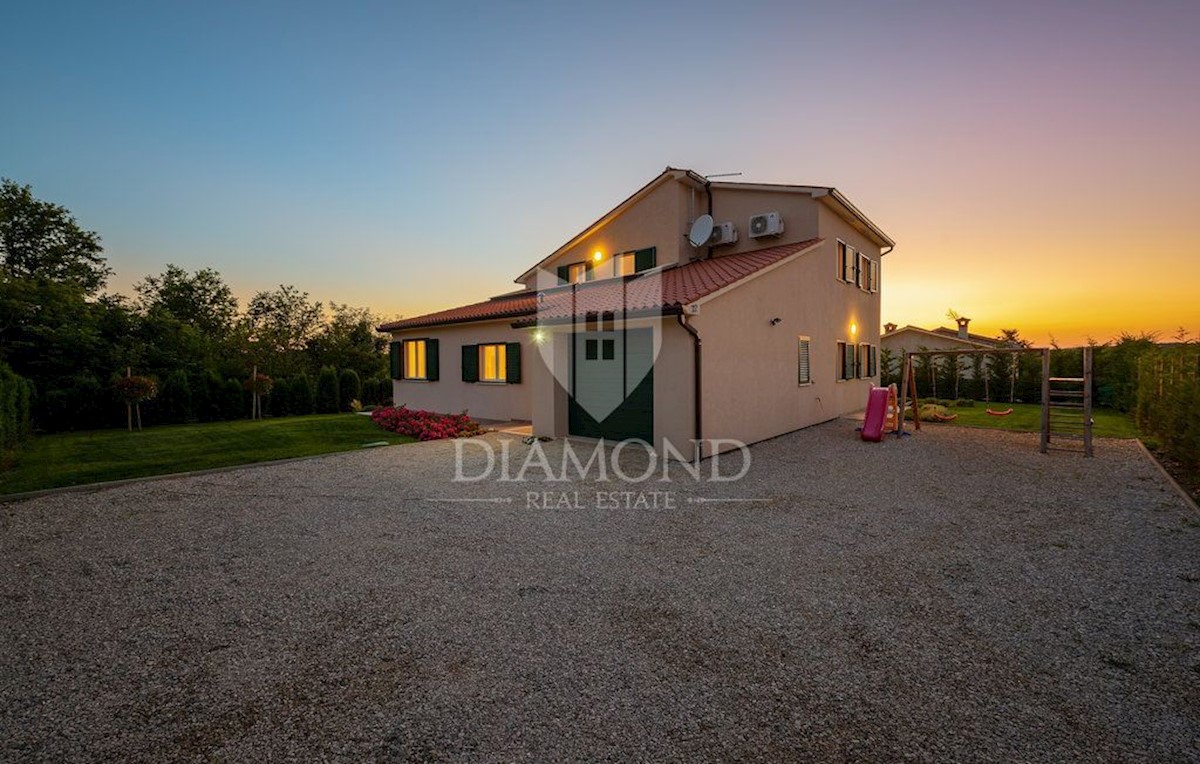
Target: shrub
964,403
15,417
1168,401
175,401
277,401
327,391
349,389
232,401
300,395
425,425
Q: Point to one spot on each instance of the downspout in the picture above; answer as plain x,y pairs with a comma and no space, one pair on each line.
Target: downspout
699,408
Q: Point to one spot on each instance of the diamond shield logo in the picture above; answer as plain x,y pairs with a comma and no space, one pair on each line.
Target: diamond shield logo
601,337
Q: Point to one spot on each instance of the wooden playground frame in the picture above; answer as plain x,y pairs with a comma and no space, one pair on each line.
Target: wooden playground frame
1066,401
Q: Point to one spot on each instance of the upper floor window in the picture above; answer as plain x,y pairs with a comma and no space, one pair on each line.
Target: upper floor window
624,265
847,262
847,360
577,272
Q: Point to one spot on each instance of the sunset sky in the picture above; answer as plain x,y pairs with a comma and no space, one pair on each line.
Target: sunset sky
1037,163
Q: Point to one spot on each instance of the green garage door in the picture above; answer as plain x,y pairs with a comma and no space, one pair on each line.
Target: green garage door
612,385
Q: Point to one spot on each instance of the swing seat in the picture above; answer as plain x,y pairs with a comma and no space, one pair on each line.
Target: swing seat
943,417
1006,412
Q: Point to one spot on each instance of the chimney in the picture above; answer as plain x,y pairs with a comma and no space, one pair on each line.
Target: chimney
962,327
889,328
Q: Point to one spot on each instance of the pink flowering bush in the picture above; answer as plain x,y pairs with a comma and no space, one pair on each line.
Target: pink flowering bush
425,425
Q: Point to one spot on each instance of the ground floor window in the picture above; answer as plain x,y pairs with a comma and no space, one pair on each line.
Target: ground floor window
846,361
415,359
493,363
803,364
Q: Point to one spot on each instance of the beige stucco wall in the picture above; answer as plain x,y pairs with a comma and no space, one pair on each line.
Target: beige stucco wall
659,220
736,205
750,387
450,395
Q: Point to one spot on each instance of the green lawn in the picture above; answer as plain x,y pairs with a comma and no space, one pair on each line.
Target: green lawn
1027,417
73,458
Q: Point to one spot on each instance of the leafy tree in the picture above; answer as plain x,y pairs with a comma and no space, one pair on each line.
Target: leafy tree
280,323
42,241
328,397
348,340
202,299
349,389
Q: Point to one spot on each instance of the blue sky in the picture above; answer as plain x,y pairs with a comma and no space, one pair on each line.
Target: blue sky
414,157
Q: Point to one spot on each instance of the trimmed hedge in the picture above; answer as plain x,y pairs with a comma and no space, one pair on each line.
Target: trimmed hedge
1168,401
15,400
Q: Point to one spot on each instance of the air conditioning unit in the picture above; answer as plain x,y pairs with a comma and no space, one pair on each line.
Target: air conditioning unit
766,224
723,233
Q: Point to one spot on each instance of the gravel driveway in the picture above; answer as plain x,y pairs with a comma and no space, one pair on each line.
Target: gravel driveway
952,596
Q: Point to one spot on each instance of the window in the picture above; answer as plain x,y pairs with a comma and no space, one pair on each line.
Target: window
591,349
860,369
493,363
872,360
803,364
414,359
577,272
608,350
846,360
496,362
874,279
862,275
624,265
847,262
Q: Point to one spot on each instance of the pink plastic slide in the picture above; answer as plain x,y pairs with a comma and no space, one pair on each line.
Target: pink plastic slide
877,402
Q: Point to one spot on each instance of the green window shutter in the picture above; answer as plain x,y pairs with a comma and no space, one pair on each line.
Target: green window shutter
564,273
396,357
431,360
512,357
644,259
470,363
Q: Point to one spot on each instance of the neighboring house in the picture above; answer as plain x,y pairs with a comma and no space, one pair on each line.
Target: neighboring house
896,340
629,331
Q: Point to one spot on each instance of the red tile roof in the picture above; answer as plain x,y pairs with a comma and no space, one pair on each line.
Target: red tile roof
653,292
507,306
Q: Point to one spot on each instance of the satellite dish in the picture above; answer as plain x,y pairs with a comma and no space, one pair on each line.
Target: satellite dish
701,230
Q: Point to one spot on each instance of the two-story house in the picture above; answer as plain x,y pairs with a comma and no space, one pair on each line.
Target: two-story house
636,329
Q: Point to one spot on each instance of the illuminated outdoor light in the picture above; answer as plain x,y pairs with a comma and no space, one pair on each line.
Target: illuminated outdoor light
853,329
539,336
598,256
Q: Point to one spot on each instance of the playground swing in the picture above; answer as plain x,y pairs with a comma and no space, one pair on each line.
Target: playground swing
1064,399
